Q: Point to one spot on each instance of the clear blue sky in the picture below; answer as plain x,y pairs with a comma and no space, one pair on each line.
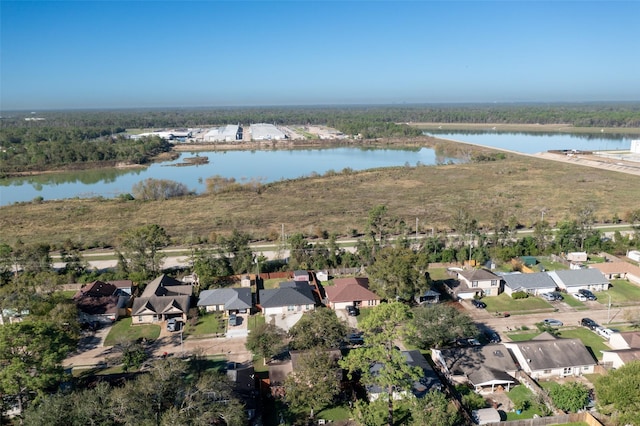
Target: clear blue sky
106,54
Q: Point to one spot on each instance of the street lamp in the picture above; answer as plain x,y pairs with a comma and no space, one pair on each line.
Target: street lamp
609,310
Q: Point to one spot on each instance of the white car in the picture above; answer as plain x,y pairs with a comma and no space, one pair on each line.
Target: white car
580,297
604,332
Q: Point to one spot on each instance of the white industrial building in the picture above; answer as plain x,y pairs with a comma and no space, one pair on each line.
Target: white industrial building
635,146
228,133
266,132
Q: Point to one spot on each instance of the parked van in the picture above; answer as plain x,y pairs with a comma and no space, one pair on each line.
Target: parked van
604,332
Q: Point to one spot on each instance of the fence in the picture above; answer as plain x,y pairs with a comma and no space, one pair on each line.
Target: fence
554,420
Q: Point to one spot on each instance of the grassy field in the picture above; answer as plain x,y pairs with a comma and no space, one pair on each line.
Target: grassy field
123,330
621,291
519,185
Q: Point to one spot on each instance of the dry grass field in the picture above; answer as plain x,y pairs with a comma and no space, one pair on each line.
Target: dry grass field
518,185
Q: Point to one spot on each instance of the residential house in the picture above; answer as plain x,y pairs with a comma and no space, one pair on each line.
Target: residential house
125,286
488,367
577,256
353,291
427,297
291,297
101,302
243,380
419,388
575,279
229,300
162,298
547,356
535,283
625,348
619,270
478,282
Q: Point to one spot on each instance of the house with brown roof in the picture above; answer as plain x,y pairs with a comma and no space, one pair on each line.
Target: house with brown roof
548,356
100,302
478,282
619,270
351,291
162,298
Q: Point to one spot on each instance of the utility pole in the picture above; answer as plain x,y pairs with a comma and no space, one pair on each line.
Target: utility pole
416,228
609,310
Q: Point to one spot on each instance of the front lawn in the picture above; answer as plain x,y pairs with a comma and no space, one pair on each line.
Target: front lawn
210,323
504,303
573,302
523,336
621,291
122,330
335,414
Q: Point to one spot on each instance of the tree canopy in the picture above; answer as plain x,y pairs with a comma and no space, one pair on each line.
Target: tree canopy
320,328
618,396
398,273
439,324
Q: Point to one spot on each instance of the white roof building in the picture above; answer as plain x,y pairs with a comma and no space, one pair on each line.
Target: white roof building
222,134
266,132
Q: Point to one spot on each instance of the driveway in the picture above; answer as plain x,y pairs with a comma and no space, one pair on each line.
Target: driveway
352,322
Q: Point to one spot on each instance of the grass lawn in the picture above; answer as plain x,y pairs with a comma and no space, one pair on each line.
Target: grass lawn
438,274
573,302
254,321
621,291
550,265
68,294
591,340
523,335
335,414
123,330
504,303
522,393
210,323
272,283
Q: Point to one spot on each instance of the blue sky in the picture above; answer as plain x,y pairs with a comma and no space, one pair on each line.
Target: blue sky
109,54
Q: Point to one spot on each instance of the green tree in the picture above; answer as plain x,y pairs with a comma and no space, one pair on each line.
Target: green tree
379,361
543,235
266,340
301,251
572,396
379,225
210,268
439,324
30,356
315,382
398,273
618,394
140,249
238,252
320,328
435,409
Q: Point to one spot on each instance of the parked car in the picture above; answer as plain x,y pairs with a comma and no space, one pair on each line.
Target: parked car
355,339
580,297
478,303
549,297
589,323
172,324
604,332
588,294
352,311
557,295
233,320
552,322
492,337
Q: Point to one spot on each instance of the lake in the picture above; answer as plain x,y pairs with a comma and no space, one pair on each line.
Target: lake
264,166
274,165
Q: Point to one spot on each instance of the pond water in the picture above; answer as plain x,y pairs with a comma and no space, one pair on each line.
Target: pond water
264,166
531,143
274,165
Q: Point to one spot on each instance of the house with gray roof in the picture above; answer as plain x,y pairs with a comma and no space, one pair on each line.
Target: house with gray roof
291,297
484,367
573,280
536,283
230,300
548,356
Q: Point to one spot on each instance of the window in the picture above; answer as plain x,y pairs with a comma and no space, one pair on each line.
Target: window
567,370
494,283
585,368
474,283
547,371
139,318
291,308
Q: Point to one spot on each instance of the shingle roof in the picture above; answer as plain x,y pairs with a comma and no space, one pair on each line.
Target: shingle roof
546,352
626,355
577,277
161,304
165,285
96,289
289,294
616,268
231,298
349,290
632,338
479,275
533,281
481,364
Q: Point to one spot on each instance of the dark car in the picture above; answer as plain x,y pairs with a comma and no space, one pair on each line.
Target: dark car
233,320
588,294
478,303
355,339
589,323
557,295
352,310
492,337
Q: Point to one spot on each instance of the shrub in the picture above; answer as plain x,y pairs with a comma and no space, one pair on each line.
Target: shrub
520,295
